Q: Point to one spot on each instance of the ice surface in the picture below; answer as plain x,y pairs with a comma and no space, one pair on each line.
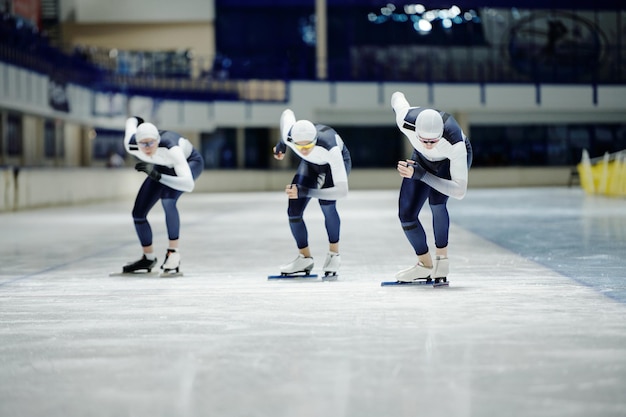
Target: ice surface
513,335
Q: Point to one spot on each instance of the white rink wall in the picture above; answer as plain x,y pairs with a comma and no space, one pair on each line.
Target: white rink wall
366,104
34,187
31,188
336,103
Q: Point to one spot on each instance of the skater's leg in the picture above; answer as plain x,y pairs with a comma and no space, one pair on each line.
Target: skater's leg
148,195
172,217
305,176
304,261
425,259
306,252
295,212
441,227
441,218
332,222
169,200
413,195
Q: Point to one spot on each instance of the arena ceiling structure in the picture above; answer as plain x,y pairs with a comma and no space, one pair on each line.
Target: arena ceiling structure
529,4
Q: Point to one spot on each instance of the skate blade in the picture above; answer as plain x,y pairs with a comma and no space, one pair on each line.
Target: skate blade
170,274
419,282
134,274
330,276
292,276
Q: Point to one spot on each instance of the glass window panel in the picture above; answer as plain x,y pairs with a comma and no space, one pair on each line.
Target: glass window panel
219,149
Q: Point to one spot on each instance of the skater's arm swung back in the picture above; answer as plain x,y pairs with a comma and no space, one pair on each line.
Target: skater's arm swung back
287,119
129,131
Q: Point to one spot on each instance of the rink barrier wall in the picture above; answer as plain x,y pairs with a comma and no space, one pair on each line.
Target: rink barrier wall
31,188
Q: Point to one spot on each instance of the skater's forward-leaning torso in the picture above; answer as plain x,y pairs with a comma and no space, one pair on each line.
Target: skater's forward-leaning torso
164,153
329,150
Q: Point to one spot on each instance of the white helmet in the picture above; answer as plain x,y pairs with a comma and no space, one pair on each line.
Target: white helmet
303,131
147,131
429,124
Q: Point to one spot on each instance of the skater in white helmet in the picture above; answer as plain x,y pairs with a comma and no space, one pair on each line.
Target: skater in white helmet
172,165
438,169
323,174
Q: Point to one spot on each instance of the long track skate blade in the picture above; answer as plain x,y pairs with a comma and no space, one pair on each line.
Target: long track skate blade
292,276
173,274
420,282
134,274
330,277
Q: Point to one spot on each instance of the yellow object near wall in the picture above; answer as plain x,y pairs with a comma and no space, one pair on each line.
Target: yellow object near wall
603,176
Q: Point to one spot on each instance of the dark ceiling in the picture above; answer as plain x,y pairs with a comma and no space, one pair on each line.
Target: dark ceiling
528,4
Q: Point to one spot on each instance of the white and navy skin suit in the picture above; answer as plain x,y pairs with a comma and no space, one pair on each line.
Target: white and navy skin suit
322,174
179,164
447,165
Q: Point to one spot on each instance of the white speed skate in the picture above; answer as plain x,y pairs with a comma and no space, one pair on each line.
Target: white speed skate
440,268
331,264
171,265
298,265
419,271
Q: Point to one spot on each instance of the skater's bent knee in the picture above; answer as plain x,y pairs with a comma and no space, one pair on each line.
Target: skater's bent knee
169,203
407,217
409,225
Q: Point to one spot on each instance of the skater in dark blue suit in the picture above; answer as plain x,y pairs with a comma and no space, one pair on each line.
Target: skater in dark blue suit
438,169
172,165
322,174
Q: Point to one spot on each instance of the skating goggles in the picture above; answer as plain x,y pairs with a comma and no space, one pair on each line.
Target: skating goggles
309,145
428,141
147,143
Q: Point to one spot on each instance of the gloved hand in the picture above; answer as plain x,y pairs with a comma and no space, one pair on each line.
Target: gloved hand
148,169
418,170
280,148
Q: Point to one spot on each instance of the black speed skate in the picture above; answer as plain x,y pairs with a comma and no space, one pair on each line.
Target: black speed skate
140,265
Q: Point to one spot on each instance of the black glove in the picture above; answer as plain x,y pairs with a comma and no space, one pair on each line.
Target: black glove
148,169
418,171
139,120
280,148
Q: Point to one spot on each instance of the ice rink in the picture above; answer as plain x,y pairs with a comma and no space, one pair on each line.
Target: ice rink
532,324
